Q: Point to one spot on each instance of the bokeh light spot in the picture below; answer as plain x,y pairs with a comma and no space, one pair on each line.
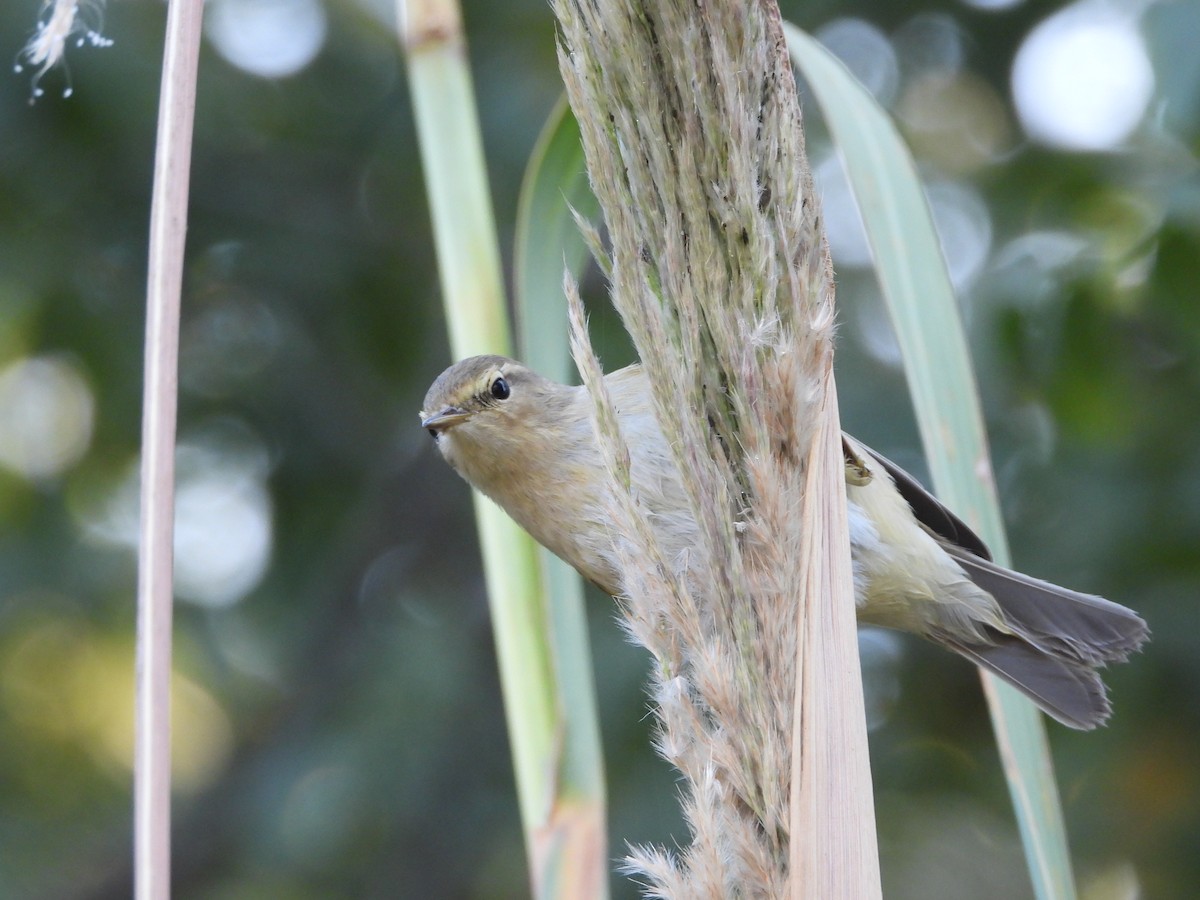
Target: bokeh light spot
867,53
46,412
269,38
873,326
955,120
843,224
929,43
993,4
319,809
881,653
227,344
65,683
960,215
224,526
1082,79
964,227
32,686
222,529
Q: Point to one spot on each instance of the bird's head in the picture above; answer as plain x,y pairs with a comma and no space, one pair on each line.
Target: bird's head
484,411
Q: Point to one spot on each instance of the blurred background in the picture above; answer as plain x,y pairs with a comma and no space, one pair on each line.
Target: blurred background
338,722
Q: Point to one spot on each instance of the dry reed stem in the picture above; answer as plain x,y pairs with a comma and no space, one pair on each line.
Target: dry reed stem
719,269
168,228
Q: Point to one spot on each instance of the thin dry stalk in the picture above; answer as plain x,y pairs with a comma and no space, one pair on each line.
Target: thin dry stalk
719,269
168,228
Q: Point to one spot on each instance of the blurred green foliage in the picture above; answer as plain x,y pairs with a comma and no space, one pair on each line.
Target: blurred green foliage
339,728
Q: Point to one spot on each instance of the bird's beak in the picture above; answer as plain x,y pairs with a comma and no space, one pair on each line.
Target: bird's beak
447,418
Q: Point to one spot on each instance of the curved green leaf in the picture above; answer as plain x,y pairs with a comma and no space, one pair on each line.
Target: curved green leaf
547,240
919,296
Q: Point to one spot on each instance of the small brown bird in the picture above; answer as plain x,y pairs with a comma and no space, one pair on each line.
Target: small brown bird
528,443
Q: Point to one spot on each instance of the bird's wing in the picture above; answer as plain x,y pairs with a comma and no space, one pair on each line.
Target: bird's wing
929,511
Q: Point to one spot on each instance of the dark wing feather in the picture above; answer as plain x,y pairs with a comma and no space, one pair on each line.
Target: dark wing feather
932,513
1069,691
1053,638
1057,620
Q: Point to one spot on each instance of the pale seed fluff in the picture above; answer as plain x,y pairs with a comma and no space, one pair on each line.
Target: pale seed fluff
60,22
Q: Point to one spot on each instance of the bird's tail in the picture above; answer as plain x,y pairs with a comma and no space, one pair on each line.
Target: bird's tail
1058,639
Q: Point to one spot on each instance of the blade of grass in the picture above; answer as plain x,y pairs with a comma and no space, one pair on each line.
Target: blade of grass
547,239
565,840
921,301
168,228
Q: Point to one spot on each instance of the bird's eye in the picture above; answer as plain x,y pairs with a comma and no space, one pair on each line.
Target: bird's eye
433,433
500,389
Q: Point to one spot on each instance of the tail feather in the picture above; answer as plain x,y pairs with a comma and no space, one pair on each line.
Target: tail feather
1060,621
1058,638
1068,691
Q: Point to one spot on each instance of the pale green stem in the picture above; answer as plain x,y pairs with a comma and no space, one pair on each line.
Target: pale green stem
544,662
